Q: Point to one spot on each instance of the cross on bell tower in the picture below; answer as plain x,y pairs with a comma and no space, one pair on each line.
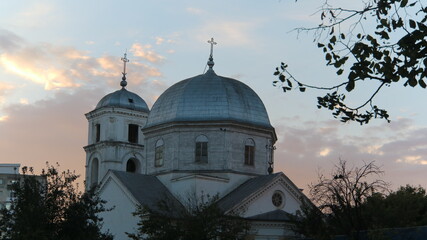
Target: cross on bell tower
211,62
123,83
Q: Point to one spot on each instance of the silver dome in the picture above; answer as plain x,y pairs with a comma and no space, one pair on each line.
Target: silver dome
123,99
209,97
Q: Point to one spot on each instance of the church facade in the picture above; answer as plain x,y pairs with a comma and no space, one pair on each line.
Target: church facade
205,135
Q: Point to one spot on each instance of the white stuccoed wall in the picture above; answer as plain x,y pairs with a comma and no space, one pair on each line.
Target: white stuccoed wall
113,150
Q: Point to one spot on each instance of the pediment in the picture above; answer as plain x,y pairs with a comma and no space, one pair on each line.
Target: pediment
259,196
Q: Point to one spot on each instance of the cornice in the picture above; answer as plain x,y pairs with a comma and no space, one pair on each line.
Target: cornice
204,172
109,110
201,176
105,144
201,124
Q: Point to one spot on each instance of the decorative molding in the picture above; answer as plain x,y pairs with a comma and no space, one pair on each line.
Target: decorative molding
206,171
200,176
280,179
105,144
213,124
108,110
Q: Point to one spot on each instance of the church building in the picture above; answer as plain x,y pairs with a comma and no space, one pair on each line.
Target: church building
207,134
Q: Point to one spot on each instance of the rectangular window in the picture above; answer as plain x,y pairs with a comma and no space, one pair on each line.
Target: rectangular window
97,132
202,152
133,133
249,155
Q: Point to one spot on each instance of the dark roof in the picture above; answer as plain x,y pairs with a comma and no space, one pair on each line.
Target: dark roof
123,99
276,215
209,97
147,190
245,190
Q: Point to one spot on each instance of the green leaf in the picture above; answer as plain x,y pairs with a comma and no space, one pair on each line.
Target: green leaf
350,86
403,3
319,45
412,82
339,72
412,23
422,83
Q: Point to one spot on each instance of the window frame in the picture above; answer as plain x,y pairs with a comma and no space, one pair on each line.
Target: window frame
201,149
159,153
133,133
249,157
94,171
97,132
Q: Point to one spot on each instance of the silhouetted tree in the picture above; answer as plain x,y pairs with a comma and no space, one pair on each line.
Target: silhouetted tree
50,207
340,200
383,43
200,219
406,207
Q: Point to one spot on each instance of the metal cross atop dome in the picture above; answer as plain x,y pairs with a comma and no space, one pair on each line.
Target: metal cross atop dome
211,62
123,83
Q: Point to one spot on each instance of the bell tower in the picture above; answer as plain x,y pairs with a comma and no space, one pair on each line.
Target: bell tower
115,140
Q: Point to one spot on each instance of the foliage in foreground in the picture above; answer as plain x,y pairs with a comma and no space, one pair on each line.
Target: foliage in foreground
382,43
356,199
51,208
200,219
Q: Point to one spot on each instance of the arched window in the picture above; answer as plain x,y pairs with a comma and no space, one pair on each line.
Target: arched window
202,149
158,157
94,172
131,165
249,152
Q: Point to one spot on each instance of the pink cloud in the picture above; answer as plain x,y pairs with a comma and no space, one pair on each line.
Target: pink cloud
400,148
146,52
58,67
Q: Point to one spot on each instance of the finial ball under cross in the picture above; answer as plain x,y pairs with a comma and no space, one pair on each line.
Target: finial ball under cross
211,62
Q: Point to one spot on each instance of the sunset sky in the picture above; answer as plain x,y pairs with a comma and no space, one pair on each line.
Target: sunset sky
58,58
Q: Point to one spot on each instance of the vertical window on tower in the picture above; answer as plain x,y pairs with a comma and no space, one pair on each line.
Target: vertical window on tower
249,152
94,167
133,133
97,132
158,158
202,149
